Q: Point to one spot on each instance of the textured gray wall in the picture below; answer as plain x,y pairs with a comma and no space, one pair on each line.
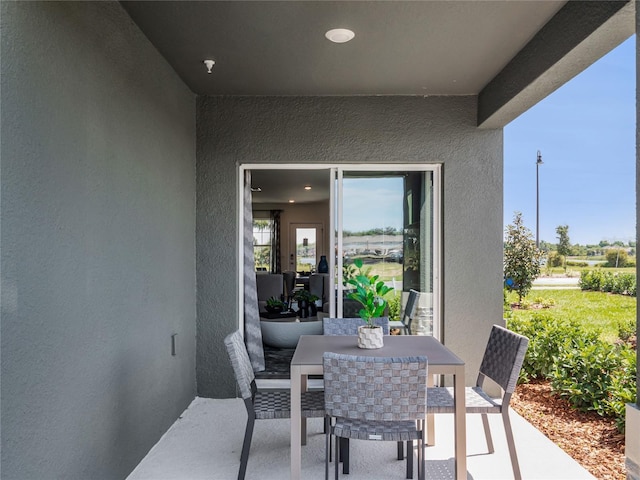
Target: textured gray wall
97,238
235,130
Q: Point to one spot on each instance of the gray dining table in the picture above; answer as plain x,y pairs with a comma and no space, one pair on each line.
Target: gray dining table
307,360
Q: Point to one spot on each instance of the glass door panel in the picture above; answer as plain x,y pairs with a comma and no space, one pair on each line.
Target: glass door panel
385,219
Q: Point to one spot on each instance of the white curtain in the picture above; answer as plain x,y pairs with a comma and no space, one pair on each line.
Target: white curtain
252,331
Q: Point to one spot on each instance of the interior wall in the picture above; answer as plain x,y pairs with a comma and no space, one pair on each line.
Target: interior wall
238,130
97,239
314,212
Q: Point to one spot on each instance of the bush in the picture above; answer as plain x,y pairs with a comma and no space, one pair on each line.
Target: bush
598,280
591,374
548,338
626,329
394,308
616,257
597,377
555,260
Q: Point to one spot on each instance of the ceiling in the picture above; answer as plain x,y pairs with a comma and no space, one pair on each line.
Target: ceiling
279,47
280,186
423,48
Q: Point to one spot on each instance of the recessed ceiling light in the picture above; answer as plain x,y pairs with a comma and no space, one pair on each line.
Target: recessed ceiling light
340,35
307,187
292,201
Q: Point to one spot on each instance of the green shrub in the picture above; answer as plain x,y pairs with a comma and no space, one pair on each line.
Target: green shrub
626,329
548,338
598,280
394,308
555,260
616,257
591,374
597,377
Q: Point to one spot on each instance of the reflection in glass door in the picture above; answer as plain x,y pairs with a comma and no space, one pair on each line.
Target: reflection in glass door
386,219
307,240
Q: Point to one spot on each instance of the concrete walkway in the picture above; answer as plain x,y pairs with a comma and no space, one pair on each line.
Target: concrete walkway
205,443
555,282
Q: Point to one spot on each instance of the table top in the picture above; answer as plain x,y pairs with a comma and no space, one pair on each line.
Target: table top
311,347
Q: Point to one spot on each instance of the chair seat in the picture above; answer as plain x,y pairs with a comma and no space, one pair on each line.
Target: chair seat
396,324
440,400
271,404
383,431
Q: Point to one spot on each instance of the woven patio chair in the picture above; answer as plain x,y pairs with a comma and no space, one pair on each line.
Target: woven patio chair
263,405
501,363
404,324
376,398
349,326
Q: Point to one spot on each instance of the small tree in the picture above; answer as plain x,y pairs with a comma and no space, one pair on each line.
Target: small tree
616,257
564,245
521,258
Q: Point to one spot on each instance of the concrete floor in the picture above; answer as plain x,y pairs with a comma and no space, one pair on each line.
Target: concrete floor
205,443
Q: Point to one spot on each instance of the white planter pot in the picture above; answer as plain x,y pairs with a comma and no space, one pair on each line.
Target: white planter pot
370,337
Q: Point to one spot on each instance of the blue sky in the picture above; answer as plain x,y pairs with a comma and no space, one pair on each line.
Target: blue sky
586,133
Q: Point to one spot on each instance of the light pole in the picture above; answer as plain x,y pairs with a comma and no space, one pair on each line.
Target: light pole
538,163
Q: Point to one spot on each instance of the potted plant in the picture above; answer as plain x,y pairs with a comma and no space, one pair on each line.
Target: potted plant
275,305
369,292
305,299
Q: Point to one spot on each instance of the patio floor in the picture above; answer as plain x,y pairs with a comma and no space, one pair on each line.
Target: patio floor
205,443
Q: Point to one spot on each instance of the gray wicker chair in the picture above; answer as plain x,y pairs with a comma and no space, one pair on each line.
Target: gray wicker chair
376,398
349,326
501,363
407,316
263,405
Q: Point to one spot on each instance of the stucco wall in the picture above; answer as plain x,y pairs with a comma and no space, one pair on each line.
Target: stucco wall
97,239
236,130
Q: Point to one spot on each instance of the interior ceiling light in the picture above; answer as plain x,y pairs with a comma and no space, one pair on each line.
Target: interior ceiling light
307,187
340,35
209,64
292,201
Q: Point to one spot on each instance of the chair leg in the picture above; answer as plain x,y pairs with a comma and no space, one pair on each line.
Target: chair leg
423,460
327,448
512,446
337,463
487,432
409,458
344,455
246,445
400,451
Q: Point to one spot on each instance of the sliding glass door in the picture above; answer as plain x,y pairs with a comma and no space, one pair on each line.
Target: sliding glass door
388,216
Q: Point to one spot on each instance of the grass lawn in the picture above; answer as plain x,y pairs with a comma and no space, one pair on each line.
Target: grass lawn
596,310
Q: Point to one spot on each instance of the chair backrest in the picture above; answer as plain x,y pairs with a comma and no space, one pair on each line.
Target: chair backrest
349,326
289,279
409,308
269,285
241,363
317,283
503,357
375,388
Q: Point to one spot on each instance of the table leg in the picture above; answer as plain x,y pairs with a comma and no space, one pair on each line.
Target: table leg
304,380
296,424
431,428
460,426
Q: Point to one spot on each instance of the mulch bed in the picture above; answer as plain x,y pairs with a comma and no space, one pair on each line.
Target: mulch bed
591,440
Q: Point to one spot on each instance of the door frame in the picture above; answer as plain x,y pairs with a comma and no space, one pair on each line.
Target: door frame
293,247
335,170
